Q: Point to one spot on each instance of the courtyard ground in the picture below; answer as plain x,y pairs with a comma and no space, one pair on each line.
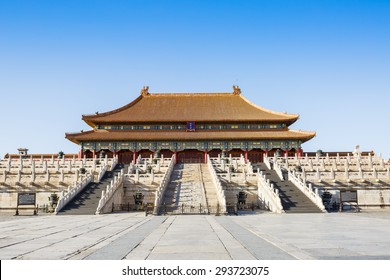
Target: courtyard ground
264,236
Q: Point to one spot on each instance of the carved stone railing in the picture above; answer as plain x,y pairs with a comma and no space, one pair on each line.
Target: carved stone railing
43,166
72,192
218,185
346,175
308,190
352,163
278,170
235,177
114,162
267,162
164,183
109,192
268,195
102,171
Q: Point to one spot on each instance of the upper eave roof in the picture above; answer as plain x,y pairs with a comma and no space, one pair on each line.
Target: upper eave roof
182,107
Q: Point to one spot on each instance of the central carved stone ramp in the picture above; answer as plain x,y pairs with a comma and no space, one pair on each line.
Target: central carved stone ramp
185,192
293,200
209,188
87,201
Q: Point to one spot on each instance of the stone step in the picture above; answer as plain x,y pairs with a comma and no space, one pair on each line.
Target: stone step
293,200
87,201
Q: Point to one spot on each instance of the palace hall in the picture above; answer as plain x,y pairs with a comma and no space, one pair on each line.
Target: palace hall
190,126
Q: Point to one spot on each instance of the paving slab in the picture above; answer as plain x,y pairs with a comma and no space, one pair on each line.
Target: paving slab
189,237
119,248
340,236
143,250
257,246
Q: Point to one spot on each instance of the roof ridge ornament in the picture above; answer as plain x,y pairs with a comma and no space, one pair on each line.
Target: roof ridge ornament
145,91
236,90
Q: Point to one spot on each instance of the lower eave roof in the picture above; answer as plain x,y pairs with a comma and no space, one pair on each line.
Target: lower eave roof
110,135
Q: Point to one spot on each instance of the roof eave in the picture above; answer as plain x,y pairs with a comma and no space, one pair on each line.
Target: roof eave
92,119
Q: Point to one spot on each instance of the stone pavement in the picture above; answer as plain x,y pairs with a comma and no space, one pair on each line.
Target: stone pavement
133,236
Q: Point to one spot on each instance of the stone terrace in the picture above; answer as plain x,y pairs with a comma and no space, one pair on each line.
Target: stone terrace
368,175
45,176
236,176
144,177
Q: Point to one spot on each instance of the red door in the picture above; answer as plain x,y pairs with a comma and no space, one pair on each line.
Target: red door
256,155
190,156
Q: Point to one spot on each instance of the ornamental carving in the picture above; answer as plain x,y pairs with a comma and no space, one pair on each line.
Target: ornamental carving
236,90
145,91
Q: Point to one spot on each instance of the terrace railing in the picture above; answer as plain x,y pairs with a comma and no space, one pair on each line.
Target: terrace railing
218,185
109,193
268,195
72,192
308,190
164,183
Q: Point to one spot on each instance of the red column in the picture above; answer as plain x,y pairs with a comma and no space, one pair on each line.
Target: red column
286,153
205,156
135,156
93,153
266,152
246,155
81,154
175,156
300,152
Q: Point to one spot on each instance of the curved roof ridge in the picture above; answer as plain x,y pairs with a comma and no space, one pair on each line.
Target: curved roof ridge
82,132
84,117
304,132
268,110
157,94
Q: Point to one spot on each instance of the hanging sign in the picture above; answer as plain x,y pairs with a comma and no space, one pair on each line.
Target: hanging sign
190,126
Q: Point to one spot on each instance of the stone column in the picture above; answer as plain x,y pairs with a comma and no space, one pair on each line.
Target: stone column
21,164
45,166
346,173
369,160
318,174
4,176
33,171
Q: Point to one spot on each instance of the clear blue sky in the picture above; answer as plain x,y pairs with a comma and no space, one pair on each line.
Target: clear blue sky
329,61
